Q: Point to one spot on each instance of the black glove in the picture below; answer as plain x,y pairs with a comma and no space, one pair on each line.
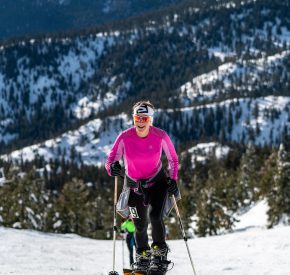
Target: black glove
115,169
116,228
172,187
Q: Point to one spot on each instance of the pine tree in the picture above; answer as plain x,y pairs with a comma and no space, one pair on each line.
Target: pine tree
212,213
25,201
72,207
279,197
248,176
212,216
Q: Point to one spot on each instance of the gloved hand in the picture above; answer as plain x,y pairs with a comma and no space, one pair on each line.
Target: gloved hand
172,187
116,228
115,169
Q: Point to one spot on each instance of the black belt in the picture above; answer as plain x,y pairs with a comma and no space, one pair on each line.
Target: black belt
141,186
139,183
144,183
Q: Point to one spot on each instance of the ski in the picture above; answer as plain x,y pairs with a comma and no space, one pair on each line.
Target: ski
127,271
131,272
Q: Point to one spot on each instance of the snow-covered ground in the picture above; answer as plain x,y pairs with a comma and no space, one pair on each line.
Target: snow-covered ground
250,250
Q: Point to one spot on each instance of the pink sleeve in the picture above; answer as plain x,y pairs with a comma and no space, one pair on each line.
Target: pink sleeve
116,153
171,155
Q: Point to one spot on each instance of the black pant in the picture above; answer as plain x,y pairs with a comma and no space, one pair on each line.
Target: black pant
130,244
156,196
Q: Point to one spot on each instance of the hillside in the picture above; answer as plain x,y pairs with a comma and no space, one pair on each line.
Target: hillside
219,56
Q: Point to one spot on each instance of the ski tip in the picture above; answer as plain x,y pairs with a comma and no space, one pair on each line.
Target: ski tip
132,272
127,271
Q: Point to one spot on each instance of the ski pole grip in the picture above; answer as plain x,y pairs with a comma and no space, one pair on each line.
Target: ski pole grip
116,191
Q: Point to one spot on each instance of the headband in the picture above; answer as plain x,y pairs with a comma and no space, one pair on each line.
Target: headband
143,109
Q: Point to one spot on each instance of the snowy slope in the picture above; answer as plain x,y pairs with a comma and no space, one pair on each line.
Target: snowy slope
254,251
201,151
255,217
89,140
248,71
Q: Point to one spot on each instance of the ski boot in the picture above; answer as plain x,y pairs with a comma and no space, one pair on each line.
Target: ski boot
159,263
140,267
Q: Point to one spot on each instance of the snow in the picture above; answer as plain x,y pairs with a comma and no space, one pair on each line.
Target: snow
2,178
221,52
251,250
255,217
202,151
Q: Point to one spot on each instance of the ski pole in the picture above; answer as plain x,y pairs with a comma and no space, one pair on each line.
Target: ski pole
183,232
115,226
123,252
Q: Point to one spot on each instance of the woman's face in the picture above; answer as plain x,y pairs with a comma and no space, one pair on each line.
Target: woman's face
142,124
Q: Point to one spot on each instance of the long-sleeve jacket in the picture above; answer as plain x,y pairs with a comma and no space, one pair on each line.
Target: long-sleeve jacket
128,226
142,156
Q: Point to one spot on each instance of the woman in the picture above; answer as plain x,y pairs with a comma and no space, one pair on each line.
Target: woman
147,186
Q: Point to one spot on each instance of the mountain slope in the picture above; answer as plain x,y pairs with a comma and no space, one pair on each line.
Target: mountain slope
32,17
49,86
262,121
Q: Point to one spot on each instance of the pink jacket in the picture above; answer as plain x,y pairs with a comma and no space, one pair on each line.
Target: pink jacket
142,156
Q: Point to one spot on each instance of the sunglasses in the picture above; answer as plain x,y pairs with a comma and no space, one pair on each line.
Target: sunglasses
141,118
